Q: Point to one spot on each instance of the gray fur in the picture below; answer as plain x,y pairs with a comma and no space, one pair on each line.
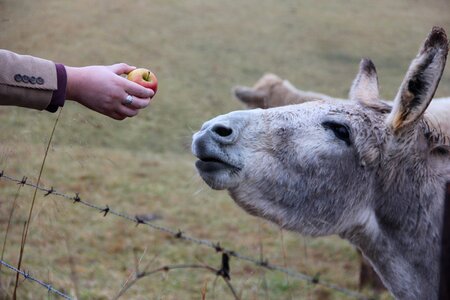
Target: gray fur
381,188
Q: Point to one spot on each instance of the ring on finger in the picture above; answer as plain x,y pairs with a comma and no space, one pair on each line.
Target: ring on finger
128,100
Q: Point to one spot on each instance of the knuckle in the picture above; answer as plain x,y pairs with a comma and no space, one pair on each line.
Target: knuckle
120,65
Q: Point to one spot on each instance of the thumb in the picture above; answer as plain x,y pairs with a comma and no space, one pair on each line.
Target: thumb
122,68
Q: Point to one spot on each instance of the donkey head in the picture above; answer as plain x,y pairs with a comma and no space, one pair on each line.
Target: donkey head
327,167
257,96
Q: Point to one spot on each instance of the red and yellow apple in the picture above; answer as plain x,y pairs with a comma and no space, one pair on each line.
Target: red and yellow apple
144,77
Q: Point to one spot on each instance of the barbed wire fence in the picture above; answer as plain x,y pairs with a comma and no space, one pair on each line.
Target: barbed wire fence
227,254
28,276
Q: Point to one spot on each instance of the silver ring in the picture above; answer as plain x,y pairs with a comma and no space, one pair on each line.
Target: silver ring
128,100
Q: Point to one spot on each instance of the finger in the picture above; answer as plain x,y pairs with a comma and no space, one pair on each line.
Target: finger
116,116
127,111
137,90
139,103
122,68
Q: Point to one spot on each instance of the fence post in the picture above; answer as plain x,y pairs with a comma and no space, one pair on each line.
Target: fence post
444,290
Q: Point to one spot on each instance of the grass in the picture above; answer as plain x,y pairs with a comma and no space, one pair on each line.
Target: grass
199,50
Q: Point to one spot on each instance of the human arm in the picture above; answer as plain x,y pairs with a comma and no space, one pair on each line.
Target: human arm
37,83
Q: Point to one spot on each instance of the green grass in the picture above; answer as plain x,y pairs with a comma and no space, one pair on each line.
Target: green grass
199,50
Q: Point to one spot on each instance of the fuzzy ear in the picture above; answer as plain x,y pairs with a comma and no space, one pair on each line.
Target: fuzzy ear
421,81
249,96
365,85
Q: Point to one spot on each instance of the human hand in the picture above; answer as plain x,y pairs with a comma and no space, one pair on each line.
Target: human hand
102,89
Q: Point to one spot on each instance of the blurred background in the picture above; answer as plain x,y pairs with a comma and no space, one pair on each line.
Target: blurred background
199,50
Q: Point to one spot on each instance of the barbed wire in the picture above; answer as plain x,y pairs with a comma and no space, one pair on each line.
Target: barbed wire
178,234
27,276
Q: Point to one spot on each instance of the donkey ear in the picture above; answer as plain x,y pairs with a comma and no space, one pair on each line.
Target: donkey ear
249,96
421,80
365,86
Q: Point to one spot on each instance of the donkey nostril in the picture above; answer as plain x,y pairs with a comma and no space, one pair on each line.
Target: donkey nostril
222,130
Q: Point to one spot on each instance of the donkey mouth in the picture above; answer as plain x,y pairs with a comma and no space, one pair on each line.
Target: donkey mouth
209,164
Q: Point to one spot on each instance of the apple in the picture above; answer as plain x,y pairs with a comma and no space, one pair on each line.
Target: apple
144,77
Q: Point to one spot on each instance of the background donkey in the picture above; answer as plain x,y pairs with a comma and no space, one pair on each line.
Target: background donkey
273,91
372,173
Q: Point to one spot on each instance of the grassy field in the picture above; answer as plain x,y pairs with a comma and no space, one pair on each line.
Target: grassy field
199,50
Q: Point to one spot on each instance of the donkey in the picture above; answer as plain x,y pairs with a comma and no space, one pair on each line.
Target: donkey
273,91
370,172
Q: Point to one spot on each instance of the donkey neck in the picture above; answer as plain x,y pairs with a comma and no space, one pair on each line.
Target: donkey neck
403,246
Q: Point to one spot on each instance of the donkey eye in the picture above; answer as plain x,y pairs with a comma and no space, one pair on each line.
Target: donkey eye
340,131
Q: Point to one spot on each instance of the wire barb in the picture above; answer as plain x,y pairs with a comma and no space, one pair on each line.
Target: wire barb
23,181
217,247
316,279
50,191
179,234
76,198
105,211
26,275
139,220
264,262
